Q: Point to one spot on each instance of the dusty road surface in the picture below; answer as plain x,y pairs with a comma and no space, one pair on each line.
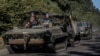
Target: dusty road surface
87,48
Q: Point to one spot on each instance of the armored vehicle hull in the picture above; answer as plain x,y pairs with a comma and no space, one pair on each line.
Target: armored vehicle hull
29,38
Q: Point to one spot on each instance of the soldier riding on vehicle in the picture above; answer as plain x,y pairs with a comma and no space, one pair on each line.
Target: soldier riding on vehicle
32,21
47,22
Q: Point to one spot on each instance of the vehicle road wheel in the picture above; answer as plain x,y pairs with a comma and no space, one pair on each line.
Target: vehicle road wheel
10,49
61,47
76,41
89,37
51,48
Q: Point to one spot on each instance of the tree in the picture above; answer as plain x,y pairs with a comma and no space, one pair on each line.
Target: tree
11,11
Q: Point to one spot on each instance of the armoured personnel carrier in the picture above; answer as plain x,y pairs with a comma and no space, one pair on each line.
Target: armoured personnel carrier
54,38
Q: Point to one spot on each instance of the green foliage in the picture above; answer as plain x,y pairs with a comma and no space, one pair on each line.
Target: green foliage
11,11
81,9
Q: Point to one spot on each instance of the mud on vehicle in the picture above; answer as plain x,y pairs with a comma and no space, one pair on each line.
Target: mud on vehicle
55,38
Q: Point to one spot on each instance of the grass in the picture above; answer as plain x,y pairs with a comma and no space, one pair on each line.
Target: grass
1,43
2,47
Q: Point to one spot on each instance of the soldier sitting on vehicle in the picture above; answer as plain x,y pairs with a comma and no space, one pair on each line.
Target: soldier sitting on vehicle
47,21
32,22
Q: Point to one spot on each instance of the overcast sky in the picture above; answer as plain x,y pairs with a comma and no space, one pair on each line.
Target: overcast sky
96,3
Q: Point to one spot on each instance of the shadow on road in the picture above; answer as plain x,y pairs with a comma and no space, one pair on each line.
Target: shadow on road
94,47
82,53
34,51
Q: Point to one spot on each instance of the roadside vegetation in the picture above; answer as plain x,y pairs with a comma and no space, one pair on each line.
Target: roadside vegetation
11,11
1,43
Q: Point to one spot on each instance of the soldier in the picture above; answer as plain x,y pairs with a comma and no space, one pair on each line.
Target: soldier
47,21
32,22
